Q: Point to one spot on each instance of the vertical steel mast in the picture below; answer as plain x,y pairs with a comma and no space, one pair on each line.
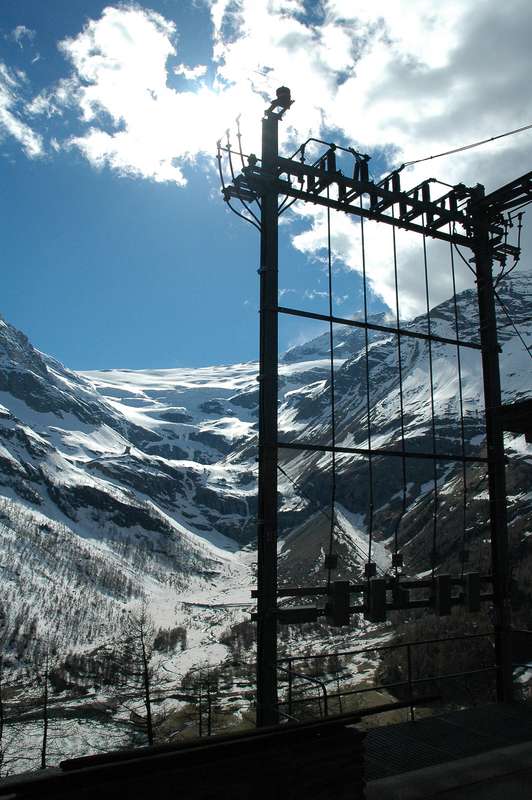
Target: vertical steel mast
267,710
482,250
463,217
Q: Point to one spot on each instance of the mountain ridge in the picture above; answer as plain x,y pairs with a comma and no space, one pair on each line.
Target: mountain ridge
152,473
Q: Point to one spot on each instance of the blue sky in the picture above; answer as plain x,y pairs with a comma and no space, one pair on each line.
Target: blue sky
117,248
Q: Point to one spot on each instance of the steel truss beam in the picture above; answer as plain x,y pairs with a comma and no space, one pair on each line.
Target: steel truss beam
380,451
516,193
350,199
353,323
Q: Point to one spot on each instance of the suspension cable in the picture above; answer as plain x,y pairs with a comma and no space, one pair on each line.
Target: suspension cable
333,404
512,323
368,393
461,407
313,502
467,146
433,418
401,402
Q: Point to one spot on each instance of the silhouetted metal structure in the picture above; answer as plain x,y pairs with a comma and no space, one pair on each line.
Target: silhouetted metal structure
463,217
299,762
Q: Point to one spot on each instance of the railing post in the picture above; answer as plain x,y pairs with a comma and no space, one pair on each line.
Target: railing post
200,710
338,683
409,678
290,681
209,711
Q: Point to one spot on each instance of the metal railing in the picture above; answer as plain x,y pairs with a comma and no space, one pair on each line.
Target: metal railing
409,683
293,674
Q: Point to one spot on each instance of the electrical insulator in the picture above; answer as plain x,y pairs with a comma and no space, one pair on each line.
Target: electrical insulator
442,595
330,561
472,591
397,560
376,600
338,604
361,169
331,161
401,596
370,569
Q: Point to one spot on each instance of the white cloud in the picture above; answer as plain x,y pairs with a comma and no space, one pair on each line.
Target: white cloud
346,245
11,123
136,122
407,78
190,73
312,294
20,33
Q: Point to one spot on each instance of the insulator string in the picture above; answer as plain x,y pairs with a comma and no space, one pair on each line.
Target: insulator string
433,418
239,137
229,156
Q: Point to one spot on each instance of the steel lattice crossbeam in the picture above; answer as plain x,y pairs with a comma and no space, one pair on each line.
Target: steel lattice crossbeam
384,197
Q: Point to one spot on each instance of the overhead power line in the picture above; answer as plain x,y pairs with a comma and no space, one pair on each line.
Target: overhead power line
512,323
467,146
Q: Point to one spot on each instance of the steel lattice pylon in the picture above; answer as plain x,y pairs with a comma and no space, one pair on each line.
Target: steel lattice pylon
462,217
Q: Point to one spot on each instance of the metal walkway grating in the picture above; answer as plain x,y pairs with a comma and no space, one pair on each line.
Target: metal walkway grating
414,745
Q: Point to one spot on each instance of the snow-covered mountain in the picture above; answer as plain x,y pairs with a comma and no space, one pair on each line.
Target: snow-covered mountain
120,484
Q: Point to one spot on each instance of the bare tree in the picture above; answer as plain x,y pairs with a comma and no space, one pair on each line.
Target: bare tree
137,672
42,667
2,718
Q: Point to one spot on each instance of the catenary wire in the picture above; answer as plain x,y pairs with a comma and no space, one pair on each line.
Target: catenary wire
512,323
467,146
